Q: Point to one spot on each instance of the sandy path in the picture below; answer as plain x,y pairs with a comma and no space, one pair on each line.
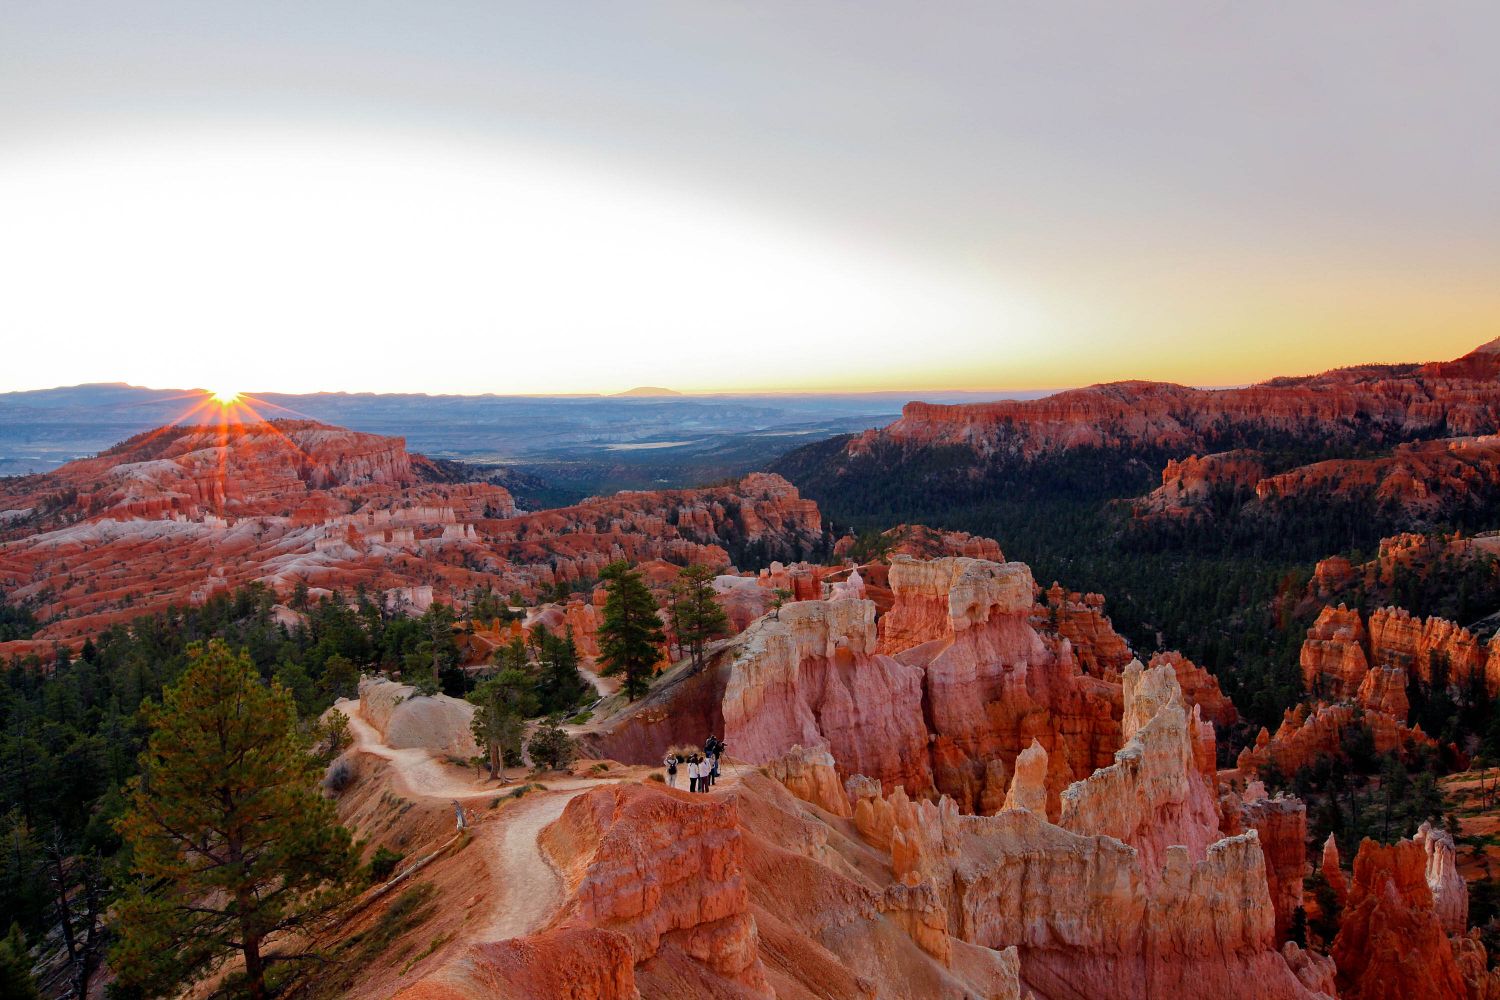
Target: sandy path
601,685
530,889
423,776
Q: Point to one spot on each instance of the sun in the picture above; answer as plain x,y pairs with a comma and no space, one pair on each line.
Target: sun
225,397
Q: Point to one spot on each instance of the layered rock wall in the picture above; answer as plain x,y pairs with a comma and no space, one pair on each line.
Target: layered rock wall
663,870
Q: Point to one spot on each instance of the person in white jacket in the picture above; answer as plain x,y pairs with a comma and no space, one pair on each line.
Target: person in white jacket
692,775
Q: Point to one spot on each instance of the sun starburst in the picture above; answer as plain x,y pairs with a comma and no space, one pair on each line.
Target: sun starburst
225,397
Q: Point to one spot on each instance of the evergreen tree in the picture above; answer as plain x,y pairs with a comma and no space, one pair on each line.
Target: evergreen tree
228,834
435,648
340,677
500,704
551,745
559,685
15,967
695,611
511,656
630,635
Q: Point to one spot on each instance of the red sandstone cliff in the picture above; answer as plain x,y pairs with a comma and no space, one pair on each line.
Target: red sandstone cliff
1370,402
1391,943
1171,910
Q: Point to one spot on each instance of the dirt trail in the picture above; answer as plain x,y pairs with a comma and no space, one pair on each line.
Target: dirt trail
530,891
601,685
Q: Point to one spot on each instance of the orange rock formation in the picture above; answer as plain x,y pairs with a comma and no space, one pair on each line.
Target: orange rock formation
181,513
1367,402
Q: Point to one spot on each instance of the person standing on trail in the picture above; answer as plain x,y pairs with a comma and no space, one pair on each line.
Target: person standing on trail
692,774
713,774
671,765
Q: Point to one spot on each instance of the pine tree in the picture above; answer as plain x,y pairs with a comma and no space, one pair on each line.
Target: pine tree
630,634
500,703
695,611
511,656
559,685
551,745
16,982
227,832
436,648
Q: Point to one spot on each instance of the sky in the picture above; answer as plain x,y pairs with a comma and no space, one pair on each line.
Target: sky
584,197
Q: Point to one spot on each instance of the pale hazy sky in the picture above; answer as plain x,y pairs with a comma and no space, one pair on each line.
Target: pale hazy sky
573,197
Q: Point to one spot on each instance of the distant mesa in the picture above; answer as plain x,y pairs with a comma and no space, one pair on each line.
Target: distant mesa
649,390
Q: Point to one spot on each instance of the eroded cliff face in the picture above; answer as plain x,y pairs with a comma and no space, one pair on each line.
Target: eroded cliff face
921,542
1154,796
1341,652
1001,783
1080,619
1135,894
1307,733
811,676
1280,824
663,870
1188,485
1391,941
1379,402
1359,674
943,696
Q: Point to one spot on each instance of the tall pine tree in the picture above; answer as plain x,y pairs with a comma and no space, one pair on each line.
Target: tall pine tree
229,837
500,704
696,613
559,685
630,634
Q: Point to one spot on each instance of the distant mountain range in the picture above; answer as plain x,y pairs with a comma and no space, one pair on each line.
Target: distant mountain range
587,444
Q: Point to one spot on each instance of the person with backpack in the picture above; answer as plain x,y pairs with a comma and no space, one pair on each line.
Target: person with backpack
671,765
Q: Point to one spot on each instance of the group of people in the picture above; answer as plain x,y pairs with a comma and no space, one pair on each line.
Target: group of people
702,769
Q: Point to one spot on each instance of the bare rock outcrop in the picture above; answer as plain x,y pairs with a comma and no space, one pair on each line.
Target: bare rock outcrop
1181,912
810,775
1391,942
662,869
811,677
1153,797
581,963
1281,825
407,719
184,513
1028,788
1450,893
1306,734
1333,654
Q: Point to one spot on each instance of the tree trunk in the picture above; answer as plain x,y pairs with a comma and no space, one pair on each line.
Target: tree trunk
255,970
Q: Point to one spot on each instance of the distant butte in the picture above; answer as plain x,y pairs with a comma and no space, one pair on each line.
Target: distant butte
649,390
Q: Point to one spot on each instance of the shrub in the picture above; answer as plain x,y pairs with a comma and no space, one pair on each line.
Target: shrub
383,864
551,746
339,777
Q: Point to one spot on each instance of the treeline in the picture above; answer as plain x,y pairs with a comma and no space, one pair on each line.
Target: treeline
71,728
1227,590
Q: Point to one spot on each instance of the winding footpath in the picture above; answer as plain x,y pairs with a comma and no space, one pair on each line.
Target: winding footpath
530,890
